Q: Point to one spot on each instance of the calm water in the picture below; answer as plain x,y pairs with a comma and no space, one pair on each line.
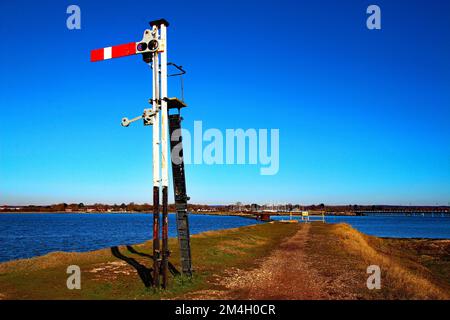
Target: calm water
396,226
28,235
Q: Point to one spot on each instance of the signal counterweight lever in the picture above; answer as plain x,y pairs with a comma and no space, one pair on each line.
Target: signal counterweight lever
147,116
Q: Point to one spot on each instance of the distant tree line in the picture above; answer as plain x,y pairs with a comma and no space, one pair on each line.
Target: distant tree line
238,206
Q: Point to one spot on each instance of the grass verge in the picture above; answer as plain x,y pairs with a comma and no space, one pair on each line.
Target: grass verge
410,268
104,276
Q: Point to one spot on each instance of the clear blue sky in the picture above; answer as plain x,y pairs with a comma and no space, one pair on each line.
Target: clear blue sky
363,115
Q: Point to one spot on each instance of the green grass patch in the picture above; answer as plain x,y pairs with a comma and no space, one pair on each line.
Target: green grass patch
104,276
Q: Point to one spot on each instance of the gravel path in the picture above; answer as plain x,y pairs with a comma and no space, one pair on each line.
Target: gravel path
284,274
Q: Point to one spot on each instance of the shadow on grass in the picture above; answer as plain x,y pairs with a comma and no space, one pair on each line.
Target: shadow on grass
172,268
144,273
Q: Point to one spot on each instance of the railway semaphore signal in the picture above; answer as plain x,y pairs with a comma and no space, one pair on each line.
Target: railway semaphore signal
153,48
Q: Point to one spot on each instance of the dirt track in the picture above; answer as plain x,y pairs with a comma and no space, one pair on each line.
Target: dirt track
284,274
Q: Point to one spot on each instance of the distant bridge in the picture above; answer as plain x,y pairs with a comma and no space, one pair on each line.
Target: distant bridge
409,213
266,215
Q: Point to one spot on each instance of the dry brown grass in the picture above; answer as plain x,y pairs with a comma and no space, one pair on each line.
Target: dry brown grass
405,278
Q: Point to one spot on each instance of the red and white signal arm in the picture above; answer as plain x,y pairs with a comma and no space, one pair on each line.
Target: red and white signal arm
147,44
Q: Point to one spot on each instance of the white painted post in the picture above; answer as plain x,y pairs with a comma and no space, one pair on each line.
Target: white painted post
164,113
156,138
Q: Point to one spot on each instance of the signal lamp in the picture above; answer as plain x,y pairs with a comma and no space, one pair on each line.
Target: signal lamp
142,46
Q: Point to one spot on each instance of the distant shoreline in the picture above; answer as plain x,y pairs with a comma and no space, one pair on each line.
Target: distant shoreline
213,213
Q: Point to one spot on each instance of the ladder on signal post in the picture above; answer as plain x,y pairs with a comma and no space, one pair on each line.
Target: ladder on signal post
179,186
153,48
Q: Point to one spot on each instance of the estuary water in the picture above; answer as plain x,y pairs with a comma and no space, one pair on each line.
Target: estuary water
431,227
26,235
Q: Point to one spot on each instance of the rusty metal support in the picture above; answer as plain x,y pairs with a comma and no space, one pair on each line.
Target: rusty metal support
156,251
165,238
